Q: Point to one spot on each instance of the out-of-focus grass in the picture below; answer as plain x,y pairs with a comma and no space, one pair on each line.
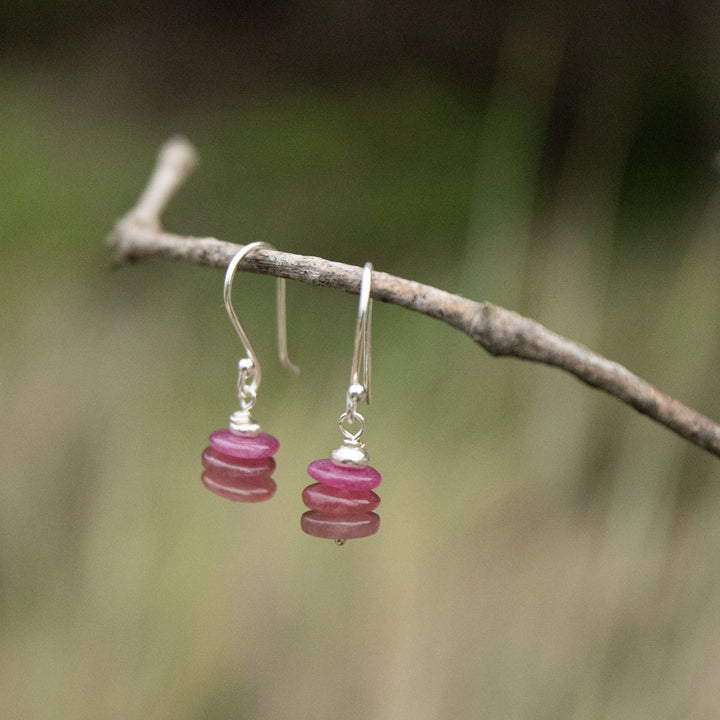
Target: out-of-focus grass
544,551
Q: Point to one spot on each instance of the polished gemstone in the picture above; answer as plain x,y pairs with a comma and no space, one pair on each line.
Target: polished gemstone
236,467
239,479
339,527
344,477
244,445
241,488
334,501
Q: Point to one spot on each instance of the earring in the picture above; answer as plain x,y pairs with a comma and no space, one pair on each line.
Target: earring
239,461
342,500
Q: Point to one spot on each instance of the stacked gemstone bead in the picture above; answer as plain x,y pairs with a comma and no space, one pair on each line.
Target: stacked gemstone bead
238,466
342,501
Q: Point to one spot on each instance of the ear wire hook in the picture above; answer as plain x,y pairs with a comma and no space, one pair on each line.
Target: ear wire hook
352,450
361,351
253,372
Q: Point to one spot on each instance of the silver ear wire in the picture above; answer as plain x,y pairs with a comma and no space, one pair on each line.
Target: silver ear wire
281,312
249,373
352,451
281,299
361,351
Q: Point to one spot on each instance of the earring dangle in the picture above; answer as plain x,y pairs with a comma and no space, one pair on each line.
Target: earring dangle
238,464
342,500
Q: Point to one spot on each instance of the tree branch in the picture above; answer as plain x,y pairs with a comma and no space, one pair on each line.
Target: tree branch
501,332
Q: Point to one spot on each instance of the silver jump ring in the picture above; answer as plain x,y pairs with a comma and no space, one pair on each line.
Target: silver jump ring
247,396
247,375
350,420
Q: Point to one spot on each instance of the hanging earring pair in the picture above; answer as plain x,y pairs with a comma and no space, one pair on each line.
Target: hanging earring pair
238,464
342,500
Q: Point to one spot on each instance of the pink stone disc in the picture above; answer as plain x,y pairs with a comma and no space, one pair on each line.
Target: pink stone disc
334,501
238,445
339,527
235,467
345,477
249,490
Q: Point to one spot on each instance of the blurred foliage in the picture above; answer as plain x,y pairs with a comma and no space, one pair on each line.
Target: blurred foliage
544,551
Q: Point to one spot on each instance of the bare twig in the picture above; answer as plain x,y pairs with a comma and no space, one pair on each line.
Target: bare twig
501,332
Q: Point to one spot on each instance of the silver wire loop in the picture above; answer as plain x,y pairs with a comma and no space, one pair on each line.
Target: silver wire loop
246,392
249,368
349,418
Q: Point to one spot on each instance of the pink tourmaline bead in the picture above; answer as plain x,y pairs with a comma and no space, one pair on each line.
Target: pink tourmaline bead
225,465
240,489
345,477
334,501
257,445
339,527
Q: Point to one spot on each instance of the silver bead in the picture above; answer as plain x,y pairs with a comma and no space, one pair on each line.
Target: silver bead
246,364
350,455
356,392
242,421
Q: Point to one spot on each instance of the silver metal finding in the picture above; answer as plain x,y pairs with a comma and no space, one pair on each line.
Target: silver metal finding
281,301
361,351
352,451
249,373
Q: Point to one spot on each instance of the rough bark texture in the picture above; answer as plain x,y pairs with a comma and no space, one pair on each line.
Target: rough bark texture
503,333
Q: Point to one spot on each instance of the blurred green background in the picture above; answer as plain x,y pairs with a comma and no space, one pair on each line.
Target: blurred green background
545,552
